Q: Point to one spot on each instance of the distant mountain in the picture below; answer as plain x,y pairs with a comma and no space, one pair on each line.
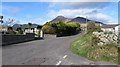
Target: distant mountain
79,20
60,18
16,26
23,26
74,20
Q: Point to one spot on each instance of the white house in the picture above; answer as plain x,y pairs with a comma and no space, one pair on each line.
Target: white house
3,29
32,30
115,28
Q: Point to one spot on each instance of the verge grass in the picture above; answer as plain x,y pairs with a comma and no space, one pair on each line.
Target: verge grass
82,47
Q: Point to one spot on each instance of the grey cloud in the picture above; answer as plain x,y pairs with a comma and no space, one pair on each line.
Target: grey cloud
77,5
91,14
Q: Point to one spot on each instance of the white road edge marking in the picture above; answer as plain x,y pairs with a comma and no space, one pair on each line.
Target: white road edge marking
64,56
59,63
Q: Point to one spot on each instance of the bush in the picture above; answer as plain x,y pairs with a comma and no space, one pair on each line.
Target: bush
72,28
10,31
94,40
91,27
67,28
98,28
108,32
19,31
38,33
61,28
48,29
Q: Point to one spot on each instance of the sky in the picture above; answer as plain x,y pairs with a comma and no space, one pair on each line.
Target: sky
41,12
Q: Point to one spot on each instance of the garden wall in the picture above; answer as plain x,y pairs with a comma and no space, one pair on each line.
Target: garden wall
11,39
106,38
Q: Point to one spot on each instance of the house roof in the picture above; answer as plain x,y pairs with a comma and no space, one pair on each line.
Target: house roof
110,26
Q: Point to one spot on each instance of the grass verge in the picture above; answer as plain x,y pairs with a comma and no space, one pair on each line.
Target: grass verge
82,47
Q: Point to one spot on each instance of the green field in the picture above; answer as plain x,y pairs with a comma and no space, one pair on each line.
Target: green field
82,47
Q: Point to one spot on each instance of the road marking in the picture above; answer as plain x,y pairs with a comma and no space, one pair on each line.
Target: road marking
59,63
64,56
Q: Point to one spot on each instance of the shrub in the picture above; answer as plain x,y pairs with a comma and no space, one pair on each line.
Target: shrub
38,33
10,31
110,32
19,31
98,28
90,26
29,25
94,40
61,28
72,28
48,29
78,27
67,28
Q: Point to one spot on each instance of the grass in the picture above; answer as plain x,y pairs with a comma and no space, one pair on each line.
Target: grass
82,47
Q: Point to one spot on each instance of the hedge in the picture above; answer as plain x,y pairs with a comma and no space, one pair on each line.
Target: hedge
61,28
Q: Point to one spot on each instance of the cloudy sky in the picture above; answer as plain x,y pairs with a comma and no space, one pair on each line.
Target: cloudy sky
41,12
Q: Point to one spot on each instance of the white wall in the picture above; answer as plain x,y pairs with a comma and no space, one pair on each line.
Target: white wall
107,29
117,29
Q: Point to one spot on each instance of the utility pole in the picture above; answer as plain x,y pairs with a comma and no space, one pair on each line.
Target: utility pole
86,25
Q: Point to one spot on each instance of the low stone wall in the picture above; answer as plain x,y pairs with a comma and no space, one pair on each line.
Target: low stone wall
11,39
106,38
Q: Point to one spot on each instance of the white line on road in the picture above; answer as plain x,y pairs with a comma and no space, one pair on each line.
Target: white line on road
64,56
59,63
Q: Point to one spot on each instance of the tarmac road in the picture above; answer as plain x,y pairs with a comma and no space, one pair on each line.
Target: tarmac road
49,51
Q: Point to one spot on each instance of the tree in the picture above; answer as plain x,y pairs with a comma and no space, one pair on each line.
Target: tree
29,26
39,29
10,30
1,17
19,30
10,22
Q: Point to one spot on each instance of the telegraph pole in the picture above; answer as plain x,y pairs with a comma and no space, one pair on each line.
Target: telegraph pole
86,25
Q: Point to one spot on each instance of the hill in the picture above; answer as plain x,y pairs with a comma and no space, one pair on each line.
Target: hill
60,18
73,20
